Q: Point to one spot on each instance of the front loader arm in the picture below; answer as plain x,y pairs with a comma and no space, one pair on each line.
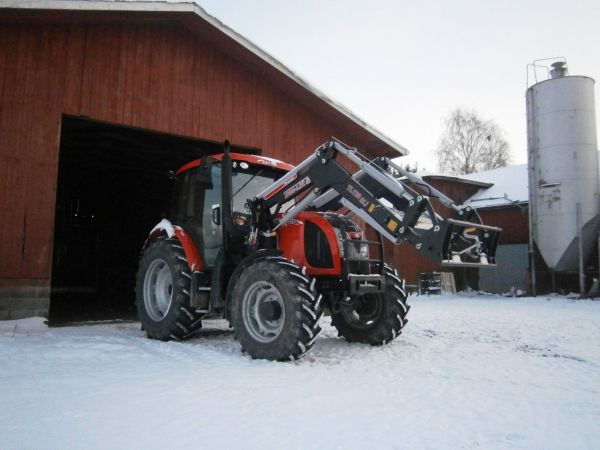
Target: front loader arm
383,195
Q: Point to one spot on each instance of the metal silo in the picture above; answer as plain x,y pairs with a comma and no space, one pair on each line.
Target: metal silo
564,187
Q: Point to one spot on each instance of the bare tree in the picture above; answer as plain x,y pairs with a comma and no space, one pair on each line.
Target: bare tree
470,144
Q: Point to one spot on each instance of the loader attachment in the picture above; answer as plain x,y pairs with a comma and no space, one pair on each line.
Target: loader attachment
395,202
458,243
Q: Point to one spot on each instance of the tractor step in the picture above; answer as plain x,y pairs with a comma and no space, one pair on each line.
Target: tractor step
362,284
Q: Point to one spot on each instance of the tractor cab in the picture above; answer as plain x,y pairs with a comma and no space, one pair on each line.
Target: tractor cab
197,200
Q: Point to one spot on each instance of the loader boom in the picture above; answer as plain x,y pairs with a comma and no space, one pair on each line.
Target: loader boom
383,195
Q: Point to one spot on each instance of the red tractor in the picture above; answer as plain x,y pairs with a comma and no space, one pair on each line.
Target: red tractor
272,247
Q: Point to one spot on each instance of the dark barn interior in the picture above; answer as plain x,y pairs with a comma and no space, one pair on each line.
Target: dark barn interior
113,187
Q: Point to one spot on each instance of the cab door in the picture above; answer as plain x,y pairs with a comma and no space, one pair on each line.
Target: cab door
197,209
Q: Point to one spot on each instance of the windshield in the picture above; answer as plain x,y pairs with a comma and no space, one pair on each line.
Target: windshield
250,180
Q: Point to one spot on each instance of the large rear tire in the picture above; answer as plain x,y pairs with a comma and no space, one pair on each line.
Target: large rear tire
375,319
163,292
276,311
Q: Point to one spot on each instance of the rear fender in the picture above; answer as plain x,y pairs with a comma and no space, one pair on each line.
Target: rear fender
166,228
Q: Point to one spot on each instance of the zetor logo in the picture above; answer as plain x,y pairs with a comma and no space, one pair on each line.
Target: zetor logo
297,187
268,162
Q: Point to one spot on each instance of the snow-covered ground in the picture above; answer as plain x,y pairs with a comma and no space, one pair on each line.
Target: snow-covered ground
468,372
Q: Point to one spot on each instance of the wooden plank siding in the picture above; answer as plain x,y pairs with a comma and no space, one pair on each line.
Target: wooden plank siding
158,76
513,220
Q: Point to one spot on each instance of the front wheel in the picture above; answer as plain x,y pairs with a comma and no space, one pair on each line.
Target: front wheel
375,319
276,312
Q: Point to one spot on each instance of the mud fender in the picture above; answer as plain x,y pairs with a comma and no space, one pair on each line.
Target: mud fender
166,228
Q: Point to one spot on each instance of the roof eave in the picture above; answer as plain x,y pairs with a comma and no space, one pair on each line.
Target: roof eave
192,7
515,204
483,184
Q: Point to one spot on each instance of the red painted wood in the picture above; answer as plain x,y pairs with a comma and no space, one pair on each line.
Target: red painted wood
156,76
13,136
513,220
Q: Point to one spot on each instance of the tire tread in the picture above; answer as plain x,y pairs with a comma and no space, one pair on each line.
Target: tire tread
181,320
304,305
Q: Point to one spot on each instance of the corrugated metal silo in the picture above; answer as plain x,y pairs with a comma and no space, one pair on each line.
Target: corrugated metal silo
563,167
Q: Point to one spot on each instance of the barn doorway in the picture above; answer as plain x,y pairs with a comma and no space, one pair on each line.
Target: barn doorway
112,189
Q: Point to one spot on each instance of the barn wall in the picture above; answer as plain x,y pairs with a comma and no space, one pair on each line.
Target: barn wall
512,270
513,250
154,76
457,191
513,220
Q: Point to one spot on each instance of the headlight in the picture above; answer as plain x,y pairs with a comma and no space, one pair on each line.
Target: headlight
338,233
364,250
355,250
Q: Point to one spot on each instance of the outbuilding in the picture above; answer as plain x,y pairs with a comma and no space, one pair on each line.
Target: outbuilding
98,100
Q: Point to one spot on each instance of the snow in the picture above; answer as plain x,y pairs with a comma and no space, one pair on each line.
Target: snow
164,225
468,372
510,186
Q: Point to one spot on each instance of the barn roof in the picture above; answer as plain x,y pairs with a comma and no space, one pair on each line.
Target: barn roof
427,175
510,187
506,186
233,43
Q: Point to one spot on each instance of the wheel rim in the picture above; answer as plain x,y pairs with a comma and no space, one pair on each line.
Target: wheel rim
365,313
263,311
158,290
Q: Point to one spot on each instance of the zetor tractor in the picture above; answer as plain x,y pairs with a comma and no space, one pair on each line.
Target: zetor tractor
271,248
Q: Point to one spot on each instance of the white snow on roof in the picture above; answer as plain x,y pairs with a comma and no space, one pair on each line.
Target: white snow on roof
510,187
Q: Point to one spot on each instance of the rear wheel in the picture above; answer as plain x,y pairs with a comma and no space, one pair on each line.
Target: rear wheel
276,312
163,292
375,319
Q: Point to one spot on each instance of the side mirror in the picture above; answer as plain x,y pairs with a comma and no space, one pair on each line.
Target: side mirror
216,214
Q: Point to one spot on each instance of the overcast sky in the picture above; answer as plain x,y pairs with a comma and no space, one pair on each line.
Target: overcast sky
403,65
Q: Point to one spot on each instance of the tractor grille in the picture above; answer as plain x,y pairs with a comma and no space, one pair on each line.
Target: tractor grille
316,247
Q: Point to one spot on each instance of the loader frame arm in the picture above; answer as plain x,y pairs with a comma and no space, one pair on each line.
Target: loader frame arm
383,195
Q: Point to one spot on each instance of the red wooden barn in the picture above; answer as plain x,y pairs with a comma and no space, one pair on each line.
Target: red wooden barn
501,199
98,100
